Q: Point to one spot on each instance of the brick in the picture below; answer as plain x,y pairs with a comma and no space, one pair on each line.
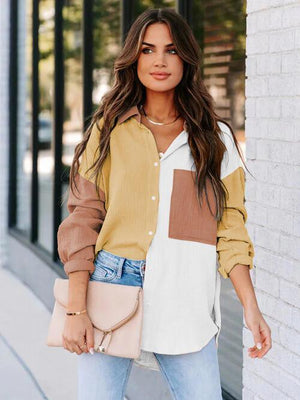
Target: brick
297,38
273,374
250,107
289,199
268,64
268,195
265,389
268,107
290,339
289,361
257,43
281,41
267,282
247,394
282,85
256,87
275,308
283,129
289,106
251,66
290,246
290,293
296,230
291,17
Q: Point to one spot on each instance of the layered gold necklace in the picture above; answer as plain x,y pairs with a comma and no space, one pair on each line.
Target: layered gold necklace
157,123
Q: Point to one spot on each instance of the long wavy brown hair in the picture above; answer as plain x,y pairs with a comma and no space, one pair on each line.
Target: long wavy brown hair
191,99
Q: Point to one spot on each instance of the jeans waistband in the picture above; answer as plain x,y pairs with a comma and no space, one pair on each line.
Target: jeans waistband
121,259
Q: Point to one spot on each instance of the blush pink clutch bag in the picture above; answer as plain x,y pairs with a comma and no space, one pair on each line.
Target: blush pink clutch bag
115,311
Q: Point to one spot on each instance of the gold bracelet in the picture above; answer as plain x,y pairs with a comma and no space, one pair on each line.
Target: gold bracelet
76,312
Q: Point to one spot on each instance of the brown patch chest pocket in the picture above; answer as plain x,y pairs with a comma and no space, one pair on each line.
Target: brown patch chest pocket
189,221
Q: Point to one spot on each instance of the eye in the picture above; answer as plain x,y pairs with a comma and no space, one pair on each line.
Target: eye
143,51
147,48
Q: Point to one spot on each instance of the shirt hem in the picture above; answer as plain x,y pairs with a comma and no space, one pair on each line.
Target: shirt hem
182,350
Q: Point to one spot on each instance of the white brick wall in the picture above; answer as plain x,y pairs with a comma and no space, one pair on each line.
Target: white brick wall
273,197
4,132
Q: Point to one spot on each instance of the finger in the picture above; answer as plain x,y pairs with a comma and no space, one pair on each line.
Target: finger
67,345
254,352
72,346
257,337
262,352
90,339
266,347
83,347
77,349
80,345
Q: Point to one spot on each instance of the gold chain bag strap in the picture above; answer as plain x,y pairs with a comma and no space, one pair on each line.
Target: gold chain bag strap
115,311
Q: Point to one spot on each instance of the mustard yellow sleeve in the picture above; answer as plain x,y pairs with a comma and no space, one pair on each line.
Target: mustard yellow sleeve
77,234
234,245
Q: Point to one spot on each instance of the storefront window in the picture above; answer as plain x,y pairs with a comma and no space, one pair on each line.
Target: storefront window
45,131
220,27
24,117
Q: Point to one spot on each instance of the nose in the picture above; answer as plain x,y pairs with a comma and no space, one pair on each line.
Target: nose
160,60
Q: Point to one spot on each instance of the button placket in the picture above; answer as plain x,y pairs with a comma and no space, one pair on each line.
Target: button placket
152,212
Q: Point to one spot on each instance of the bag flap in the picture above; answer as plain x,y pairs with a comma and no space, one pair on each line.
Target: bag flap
109,305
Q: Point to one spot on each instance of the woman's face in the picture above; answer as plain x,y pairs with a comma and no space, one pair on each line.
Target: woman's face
158,54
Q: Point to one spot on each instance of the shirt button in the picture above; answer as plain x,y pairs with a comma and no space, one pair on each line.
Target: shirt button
150,233
156,164
153,197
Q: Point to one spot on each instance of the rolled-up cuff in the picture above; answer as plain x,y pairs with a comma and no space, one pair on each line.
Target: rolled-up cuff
79,265
242,259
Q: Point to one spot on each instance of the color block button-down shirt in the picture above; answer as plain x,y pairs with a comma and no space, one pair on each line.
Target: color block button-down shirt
146,208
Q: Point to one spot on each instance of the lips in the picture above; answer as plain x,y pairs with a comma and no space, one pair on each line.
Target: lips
160,74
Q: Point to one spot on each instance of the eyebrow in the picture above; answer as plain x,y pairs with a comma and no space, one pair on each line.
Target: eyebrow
153,45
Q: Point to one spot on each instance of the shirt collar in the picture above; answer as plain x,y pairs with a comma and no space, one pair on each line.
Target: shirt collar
179,141
130,112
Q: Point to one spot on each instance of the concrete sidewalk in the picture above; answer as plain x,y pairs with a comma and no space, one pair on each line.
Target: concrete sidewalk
29,369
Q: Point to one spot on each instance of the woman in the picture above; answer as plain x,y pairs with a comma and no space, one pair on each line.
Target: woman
161,193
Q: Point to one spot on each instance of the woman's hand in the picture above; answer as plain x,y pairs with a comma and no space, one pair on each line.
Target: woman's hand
260,330
78,335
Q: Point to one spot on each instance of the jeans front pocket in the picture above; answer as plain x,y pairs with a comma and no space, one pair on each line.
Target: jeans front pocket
105,268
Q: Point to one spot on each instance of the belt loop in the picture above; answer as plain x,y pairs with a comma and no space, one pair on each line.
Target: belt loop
120,266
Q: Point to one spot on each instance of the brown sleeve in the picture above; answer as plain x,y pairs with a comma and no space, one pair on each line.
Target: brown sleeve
78,232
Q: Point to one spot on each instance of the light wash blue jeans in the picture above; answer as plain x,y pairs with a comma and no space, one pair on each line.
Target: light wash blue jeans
190,376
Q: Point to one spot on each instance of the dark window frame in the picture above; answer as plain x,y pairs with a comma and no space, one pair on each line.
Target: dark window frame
31,241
